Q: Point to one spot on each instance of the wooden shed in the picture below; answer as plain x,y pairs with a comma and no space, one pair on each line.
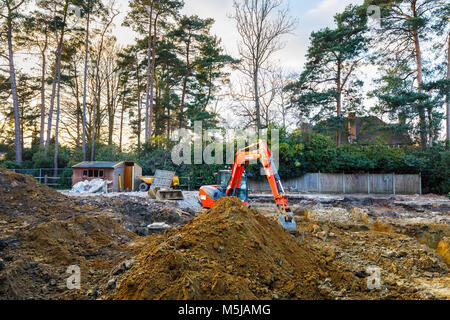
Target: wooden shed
123,174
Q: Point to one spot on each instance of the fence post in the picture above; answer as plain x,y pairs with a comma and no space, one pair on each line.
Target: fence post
318,182
393,182
420,183
46,179
40,175
343,181
368,183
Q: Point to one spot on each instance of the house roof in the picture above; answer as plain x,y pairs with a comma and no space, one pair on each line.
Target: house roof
369,128
102,164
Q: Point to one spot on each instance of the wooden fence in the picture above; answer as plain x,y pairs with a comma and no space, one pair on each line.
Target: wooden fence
346,183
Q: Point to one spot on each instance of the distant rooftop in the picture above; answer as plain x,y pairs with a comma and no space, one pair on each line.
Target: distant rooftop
100,164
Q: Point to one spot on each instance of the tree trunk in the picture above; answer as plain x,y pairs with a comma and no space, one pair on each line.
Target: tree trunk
94,111
78,112
139,124
149,77
58,105
419,65
12,74
111,109
152,79
421,111
58,63
183,94
86,49
138,105
44,65
257,103
339,103
121,123
448,93
168,122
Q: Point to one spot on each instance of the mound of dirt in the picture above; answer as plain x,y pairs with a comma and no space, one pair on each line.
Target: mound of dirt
42,233
25,203
228,252
19,192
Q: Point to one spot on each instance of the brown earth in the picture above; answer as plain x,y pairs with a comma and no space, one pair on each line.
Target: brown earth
408,268
444,249
232,252
228,252
42,233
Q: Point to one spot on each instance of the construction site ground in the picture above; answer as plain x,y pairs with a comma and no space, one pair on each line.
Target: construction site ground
228,252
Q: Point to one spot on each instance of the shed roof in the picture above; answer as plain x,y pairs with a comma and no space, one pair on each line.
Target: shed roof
102,164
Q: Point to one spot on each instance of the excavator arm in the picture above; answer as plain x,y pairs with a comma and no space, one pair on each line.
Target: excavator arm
260,150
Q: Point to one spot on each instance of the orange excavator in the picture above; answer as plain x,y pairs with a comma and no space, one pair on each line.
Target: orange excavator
234,183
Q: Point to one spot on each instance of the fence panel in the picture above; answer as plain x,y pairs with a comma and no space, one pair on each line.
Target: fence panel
356,183
346,183
381,183
331,183
407,183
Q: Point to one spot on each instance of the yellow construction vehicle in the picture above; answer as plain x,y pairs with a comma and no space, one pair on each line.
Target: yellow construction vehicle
161,187
148,180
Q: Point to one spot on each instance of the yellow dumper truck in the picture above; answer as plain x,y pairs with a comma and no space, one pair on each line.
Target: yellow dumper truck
146,182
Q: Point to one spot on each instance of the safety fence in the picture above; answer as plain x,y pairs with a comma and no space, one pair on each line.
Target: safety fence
63,179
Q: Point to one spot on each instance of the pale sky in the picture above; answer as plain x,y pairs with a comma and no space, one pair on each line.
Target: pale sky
312,15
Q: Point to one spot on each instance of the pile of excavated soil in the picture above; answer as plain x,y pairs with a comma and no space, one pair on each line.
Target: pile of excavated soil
42,233
20,193
229,252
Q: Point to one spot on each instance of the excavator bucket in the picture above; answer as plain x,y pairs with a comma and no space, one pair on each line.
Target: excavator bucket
290,226
169,195
286,219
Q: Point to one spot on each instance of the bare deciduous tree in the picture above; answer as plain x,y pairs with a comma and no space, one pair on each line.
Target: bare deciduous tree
261,25
56,75
86,57
274,106
11,12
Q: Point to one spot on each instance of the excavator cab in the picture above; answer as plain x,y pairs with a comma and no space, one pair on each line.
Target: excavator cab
223,180
208,195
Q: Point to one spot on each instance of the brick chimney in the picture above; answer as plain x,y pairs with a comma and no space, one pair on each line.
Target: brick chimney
351,126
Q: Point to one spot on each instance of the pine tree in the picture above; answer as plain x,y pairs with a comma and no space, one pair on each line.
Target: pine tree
405,29
328,87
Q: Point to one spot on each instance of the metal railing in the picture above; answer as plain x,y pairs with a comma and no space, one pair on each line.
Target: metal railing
63,179
185,183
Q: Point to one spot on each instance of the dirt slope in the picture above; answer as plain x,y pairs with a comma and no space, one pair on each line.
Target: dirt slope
42,233
228,252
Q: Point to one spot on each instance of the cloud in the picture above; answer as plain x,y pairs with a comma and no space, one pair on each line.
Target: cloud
328,8
219,10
